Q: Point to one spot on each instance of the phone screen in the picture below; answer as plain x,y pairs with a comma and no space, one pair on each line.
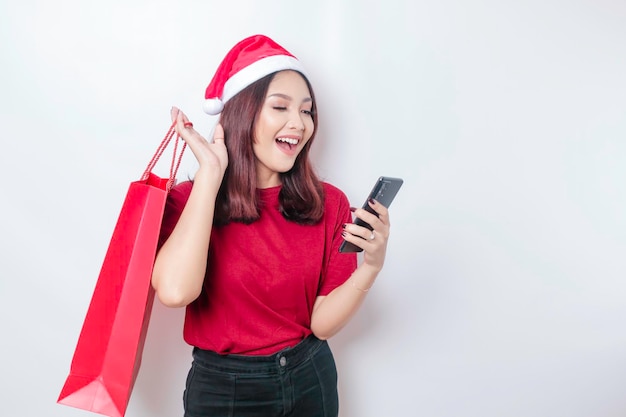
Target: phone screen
384,191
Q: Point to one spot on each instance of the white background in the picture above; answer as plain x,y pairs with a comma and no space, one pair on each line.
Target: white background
504,290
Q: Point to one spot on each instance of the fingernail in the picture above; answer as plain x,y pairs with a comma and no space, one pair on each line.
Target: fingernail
353,209
372,201
343,225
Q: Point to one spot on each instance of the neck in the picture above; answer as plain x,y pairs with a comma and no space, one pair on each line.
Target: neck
268,181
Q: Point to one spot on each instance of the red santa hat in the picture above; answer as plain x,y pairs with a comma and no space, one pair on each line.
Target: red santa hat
248,61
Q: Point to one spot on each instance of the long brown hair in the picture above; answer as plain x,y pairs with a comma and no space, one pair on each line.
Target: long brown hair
301,198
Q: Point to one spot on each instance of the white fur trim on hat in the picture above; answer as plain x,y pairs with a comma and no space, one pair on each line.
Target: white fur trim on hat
249,75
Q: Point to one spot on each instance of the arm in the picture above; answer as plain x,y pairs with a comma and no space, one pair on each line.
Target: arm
180,265
332,312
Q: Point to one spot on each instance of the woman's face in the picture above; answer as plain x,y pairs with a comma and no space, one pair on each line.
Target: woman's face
283,126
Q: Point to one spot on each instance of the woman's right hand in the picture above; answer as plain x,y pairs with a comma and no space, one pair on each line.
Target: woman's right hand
212,156
180,265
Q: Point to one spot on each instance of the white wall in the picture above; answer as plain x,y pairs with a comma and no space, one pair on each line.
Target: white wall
504,289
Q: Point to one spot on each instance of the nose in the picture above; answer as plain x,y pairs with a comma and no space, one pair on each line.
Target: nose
295,121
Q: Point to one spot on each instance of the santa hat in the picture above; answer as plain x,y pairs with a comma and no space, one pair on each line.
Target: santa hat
248,61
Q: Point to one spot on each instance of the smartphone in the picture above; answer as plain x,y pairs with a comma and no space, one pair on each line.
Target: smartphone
384,192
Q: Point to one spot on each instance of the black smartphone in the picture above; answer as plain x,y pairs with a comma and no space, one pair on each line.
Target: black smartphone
384,192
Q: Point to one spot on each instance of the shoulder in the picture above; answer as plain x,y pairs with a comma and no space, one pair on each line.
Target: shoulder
181,190
329,188
174,205
333,196
179,194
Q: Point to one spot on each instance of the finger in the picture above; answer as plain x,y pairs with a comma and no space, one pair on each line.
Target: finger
181,118
218,134
184,125
362,232
379,208
354,239
370,244
174,113
369,218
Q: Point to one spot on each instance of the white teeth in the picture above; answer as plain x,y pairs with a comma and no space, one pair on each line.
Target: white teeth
288,140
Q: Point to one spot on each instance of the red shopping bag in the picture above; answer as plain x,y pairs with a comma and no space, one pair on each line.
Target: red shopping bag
108,353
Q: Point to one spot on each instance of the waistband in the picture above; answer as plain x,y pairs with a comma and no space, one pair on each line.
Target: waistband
285,359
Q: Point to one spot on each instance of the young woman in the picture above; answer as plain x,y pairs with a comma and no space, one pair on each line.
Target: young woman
250,247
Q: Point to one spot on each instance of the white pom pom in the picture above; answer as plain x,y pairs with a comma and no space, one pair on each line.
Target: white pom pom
213,106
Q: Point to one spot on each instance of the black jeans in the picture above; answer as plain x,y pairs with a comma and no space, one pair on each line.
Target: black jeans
299,381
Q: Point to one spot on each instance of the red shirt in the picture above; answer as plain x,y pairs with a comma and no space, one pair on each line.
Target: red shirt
263,278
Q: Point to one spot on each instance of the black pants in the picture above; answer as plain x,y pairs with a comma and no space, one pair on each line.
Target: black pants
299,381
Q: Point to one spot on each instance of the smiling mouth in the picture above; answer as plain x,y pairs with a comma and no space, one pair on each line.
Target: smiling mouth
288,143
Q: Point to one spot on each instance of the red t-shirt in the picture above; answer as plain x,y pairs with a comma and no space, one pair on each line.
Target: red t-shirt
263,278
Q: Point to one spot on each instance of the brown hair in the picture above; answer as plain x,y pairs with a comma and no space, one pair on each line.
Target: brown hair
301,198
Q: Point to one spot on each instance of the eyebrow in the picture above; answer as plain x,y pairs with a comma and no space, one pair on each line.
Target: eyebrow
286,97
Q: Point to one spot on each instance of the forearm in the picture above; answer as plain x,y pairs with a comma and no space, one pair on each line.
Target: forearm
180,265
332,312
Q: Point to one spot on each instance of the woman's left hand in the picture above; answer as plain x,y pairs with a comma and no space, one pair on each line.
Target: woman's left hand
331,312
373,242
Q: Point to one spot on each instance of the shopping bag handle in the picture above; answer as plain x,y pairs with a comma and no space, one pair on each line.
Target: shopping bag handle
175,158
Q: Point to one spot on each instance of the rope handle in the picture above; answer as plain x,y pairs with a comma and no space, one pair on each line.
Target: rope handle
175,159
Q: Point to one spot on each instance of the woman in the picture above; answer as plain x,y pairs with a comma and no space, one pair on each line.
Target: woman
250,247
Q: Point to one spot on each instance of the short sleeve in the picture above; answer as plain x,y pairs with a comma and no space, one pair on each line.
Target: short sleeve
338,267
174,205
